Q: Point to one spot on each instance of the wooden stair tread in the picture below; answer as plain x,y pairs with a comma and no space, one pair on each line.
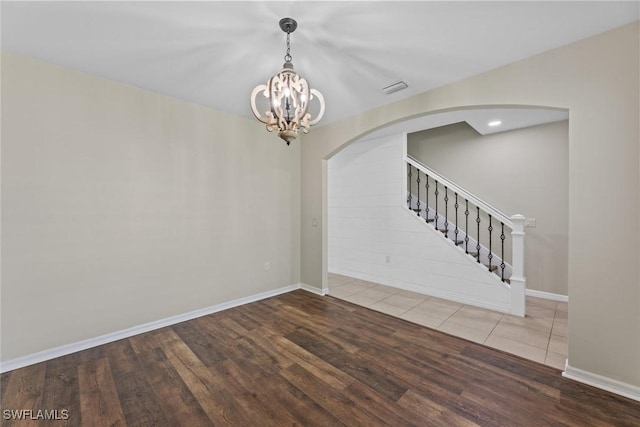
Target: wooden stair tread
492,268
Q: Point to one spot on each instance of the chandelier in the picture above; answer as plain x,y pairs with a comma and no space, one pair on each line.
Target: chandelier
289,96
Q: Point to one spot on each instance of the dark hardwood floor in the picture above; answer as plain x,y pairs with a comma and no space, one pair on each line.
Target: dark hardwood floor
301,359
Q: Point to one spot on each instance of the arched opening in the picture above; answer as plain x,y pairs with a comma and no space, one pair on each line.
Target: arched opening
520,166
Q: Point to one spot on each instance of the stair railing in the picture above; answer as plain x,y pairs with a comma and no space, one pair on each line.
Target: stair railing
485,242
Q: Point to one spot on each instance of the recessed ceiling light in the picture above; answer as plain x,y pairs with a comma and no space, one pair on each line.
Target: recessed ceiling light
495,123
395,87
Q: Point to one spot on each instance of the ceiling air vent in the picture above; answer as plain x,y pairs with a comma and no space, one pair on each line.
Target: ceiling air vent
395,87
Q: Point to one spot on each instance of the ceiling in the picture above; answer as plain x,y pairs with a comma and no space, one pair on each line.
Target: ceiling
215,53
478,118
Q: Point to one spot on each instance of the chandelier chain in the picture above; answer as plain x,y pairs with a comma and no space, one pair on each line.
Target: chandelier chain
287,57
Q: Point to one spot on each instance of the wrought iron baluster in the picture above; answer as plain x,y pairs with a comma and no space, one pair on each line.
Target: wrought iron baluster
426,204
418,195
409,198
446,211
502,264
435,219
455,232
466,226
490,232
478,236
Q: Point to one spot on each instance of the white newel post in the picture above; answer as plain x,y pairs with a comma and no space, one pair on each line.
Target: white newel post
518,281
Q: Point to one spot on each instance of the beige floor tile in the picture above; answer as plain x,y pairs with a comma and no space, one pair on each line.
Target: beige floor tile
389,289
423,319
556,360
392,310
338,280
360,299
541,312
462,331
336,291
559,328
561,315
476,318
334,284
401,301
535,323
379,293
414,295
436,308
445,302
367,284
344,290
523,335
541,302
559,344
514,347
481,313
356,286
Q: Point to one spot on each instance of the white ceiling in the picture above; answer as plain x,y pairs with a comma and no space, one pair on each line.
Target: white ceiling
215,53
478,118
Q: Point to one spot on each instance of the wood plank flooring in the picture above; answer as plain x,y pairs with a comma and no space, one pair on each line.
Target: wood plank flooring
301,359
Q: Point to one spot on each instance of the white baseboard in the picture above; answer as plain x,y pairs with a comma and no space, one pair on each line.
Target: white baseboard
546,295
63,350
313,289
602,382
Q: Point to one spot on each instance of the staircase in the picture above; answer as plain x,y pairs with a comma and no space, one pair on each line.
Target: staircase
376,233
485,234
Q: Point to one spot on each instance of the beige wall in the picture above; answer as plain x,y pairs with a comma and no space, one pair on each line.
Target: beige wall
121,207
525,171
597,81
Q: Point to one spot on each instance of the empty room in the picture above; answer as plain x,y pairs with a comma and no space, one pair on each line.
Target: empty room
358,213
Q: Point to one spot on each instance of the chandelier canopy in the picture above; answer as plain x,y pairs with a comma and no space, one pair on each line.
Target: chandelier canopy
289,96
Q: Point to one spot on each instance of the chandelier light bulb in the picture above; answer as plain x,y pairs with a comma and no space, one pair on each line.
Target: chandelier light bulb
288,93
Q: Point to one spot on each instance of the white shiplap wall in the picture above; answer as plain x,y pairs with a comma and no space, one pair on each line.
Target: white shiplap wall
372,236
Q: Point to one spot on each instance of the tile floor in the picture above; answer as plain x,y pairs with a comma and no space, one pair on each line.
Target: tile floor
540,336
